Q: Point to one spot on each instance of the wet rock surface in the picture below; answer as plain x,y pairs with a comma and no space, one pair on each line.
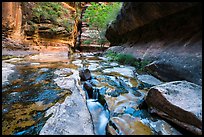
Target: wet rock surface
148,81
123,71
34,87
29,93
7,69
85,74
121,95
71,117
128,125
63,72
62,105
88,87
179,102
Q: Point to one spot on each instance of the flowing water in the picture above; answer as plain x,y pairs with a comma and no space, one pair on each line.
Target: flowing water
113,105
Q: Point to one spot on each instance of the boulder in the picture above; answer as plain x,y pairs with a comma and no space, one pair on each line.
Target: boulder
88,86
85,74
177,68
89,89
179,102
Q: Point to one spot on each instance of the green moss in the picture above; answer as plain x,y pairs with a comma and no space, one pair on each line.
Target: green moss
87,42
5,57
127,59
102,41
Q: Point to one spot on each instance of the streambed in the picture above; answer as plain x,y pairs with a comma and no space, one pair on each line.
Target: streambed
31,89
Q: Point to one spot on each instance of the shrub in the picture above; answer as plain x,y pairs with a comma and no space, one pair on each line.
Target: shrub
52,11
5,57
127,59
87,42
102,41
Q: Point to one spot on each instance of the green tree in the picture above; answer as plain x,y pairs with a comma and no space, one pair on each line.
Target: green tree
98,16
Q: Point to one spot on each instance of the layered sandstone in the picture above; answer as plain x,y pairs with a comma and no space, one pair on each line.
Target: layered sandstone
20,24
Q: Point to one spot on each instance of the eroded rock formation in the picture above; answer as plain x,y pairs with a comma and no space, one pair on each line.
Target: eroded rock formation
11,19
20,23
167,33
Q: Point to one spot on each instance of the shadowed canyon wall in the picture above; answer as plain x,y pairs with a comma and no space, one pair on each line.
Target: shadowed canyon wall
168,34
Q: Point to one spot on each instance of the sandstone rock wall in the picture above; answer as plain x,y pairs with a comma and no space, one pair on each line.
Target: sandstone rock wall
45,32
20,24
167,33
11,19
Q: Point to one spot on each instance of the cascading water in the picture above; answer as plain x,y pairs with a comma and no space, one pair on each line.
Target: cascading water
112,101
100,114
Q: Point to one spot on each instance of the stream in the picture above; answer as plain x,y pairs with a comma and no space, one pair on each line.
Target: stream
114,103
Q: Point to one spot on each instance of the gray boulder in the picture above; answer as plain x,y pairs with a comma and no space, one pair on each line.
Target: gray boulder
85,74
89,89
179,102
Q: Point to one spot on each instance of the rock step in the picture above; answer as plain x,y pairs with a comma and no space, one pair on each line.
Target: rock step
72,116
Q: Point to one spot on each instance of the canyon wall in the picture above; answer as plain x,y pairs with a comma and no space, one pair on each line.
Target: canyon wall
39,25
168,34
11,19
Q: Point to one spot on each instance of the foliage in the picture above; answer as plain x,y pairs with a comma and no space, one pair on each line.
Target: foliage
52,11
102,41
98,16
87,41
67,24
5,57
127,59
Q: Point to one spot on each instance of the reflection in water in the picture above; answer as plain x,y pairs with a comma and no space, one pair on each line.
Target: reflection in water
113,105
30,93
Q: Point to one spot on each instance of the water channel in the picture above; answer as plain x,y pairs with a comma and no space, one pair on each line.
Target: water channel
114,103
